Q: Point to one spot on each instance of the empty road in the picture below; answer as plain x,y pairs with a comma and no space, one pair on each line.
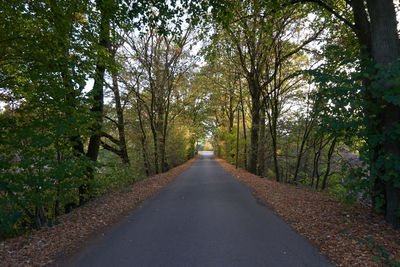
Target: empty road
205,217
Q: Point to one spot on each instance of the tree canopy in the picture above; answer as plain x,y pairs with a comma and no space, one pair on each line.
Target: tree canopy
98,94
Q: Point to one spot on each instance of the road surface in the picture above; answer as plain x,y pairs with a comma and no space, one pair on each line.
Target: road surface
205,217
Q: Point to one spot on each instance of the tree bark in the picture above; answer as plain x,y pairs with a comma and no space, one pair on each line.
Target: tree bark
122,151
273,115
316,162
255,123
155,148
328,164
143,141
40,217
97,91
98,97
244,130
164,165
306,134
261,145
237,136
121,123
386,52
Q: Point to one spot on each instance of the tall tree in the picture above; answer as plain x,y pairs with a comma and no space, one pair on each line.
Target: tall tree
253,28
375,28
107,9
159,57
119,122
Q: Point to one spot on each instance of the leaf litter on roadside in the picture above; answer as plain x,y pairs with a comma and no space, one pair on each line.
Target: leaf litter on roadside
348,235
39,248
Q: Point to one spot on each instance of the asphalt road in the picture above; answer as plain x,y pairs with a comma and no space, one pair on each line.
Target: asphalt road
203,218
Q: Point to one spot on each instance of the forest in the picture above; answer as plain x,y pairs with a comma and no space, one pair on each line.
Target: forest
98,94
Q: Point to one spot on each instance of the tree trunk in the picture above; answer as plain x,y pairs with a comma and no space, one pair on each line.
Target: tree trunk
163,161
161,133
121,151
40,217
155,148
164,165
386,52
393,204
143,141
261,146
272,125
244,129
97,91
316,163
328,166
307,132
98,97
237,137
255,123
97,110
231,111
317,151
121,122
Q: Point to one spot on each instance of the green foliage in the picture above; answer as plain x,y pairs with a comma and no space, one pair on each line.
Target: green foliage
49,50
39,165
114,176
177,146
41,169
352,96
380,252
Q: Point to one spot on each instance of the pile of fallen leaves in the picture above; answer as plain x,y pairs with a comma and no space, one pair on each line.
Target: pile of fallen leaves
349,235
42,247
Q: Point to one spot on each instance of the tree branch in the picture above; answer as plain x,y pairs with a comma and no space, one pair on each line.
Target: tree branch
329,9
112,120
110,137
110,148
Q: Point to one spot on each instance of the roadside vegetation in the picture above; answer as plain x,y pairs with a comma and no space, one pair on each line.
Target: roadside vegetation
95,96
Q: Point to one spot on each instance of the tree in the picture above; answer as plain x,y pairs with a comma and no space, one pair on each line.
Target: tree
51,127
44,72
253,27
159,60
375,28
119,122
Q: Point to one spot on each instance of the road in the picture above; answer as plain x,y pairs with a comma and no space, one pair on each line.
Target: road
205,217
